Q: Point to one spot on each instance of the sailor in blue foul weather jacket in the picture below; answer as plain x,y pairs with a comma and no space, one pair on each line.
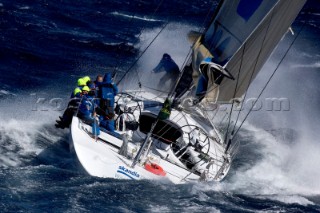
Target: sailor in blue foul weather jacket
170,68
106,93
107,122
87,106
98,81
87,111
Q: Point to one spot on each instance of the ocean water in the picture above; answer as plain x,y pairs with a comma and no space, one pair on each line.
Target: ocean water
47,45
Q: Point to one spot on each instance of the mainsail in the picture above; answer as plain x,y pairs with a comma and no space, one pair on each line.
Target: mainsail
240,38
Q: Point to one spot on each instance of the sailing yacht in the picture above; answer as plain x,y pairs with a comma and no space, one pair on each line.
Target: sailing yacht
170,136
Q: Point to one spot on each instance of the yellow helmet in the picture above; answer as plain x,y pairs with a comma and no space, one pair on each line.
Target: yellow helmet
86,88
81,82
76,91
86,79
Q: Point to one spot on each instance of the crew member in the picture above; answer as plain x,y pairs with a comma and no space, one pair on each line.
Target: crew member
77,90
170,68
106,94
87,110
86,79
98,80
66,118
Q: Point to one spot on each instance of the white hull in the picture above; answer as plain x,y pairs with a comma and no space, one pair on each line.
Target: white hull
99,157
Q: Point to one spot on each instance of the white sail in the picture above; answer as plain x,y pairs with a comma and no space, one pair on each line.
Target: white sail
243,34
259,46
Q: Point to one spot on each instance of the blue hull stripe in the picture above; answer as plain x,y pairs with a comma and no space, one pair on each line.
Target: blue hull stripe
119,171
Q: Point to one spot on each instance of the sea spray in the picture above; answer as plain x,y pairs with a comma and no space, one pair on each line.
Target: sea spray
266,166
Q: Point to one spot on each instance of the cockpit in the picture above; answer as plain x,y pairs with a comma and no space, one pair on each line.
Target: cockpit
165,130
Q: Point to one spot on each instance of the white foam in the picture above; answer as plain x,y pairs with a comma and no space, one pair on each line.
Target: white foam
288,173
24,8
5,92
19,137
289,199
158,209
117,43
135,17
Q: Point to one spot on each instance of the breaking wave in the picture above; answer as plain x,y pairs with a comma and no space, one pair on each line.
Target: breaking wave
22,140
270,169
25,134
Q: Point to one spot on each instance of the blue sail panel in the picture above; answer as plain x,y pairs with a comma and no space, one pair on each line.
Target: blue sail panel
247,8
232,25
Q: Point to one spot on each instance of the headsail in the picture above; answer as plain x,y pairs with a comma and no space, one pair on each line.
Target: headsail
240,38
258,47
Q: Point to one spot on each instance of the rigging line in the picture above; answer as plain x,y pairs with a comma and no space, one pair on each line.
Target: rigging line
191,48
253,71
217,10
171,93
222,120
203,96
211,89
183,115
168,124
157,90
135,62
147,46
280,62
155,97
131,21
203,30
235,92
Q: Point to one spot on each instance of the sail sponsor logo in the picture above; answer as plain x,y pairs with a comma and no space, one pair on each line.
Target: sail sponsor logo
127,172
